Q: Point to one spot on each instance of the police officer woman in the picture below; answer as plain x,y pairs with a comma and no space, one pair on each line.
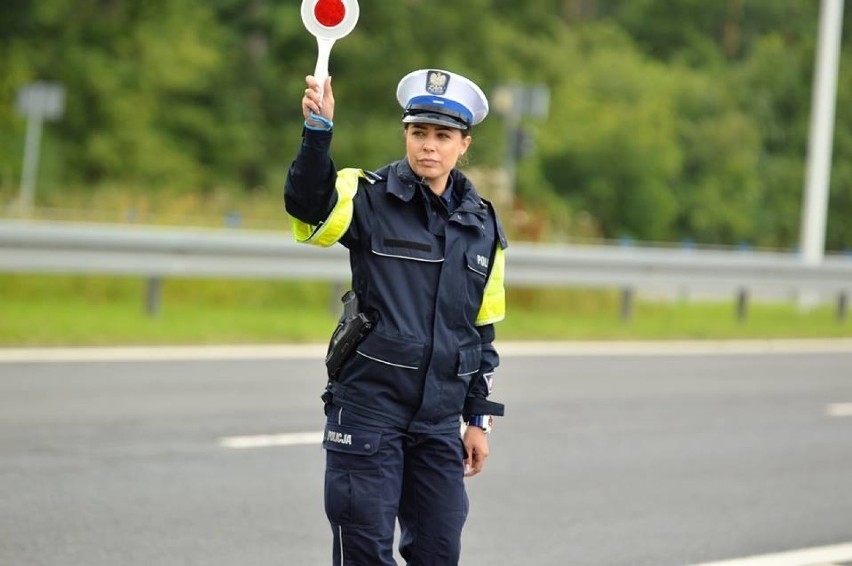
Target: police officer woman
426,255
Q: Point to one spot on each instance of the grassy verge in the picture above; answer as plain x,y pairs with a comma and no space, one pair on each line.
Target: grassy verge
65,311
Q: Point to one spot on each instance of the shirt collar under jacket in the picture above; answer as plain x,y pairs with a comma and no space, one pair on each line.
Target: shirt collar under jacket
450,197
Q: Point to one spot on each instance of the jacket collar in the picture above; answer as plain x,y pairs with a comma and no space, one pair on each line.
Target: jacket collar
402,183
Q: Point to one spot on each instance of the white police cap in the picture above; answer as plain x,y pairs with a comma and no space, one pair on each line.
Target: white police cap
433,96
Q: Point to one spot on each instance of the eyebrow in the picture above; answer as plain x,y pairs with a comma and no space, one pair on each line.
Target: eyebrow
436,127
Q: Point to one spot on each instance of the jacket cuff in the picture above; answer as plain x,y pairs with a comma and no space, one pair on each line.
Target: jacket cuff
480,406
317,139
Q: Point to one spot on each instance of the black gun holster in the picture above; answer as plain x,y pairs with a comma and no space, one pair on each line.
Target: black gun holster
352,328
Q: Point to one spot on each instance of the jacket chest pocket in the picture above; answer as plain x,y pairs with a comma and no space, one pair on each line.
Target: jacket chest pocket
477,266
478,261
422,247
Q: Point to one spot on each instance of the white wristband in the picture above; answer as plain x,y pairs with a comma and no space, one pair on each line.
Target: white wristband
482,421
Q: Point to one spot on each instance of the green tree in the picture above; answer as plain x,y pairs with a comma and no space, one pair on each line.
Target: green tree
668,120
611,146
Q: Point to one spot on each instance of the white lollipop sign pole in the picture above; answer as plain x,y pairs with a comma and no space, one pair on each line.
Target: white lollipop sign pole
328,21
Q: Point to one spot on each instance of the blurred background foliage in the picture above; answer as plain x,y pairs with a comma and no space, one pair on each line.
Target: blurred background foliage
669,121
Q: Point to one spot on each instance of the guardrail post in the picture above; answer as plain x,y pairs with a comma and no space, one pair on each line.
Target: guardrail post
153,293
627,304
742,304
842,306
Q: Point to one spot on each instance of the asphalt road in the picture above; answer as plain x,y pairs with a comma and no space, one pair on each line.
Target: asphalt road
628,460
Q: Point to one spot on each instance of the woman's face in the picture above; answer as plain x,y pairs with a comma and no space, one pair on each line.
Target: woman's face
433,151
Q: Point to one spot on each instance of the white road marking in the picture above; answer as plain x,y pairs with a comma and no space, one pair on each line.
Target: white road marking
305,438
839,410
270,440
675,347
511,348
164,353
818,556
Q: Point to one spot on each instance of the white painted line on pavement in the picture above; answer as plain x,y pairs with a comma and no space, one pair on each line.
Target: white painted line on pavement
675,347
164,353
839,410
271,440
508,349
823,555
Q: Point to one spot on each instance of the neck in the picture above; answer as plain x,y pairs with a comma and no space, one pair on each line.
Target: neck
437,185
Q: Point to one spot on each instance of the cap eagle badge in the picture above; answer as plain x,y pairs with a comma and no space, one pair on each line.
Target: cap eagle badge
437,82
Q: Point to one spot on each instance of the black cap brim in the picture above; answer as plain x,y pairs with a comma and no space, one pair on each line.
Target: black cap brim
436,119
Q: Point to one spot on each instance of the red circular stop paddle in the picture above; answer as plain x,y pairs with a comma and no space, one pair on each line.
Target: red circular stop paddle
328,21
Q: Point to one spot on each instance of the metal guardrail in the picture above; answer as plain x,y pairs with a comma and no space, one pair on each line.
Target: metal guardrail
162,252
155,251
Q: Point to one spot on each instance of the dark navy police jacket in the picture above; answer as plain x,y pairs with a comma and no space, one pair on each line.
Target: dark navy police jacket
433,278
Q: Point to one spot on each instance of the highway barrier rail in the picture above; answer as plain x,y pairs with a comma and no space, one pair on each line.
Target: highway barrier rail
158,252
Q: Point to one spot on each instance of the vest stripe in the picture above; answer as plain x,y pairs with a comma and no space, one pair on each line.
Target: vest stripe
493,308
335,225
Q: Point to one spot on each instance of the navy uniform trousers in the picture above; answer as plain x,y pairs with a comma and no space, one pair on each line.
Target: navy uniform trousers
377,473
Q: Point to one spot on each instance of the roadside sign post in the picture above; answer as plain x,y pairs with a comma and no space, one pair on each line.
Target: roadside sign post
515,101
37,101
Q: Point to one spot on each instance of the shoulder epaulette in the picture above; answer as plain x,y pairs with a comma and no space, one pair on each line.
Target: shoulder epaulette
372,176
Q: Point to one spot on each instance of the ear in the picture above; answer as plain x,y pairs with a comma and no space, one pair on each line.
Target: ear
466,141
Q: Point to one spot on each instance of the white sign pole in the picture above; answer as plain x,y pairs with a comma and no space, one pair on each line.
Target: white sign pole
818,168
37,101
30,166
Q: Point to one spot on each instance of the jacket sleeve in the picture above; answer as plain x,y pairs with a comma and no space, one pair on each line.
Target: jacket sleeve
477,402
493,309
309,193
